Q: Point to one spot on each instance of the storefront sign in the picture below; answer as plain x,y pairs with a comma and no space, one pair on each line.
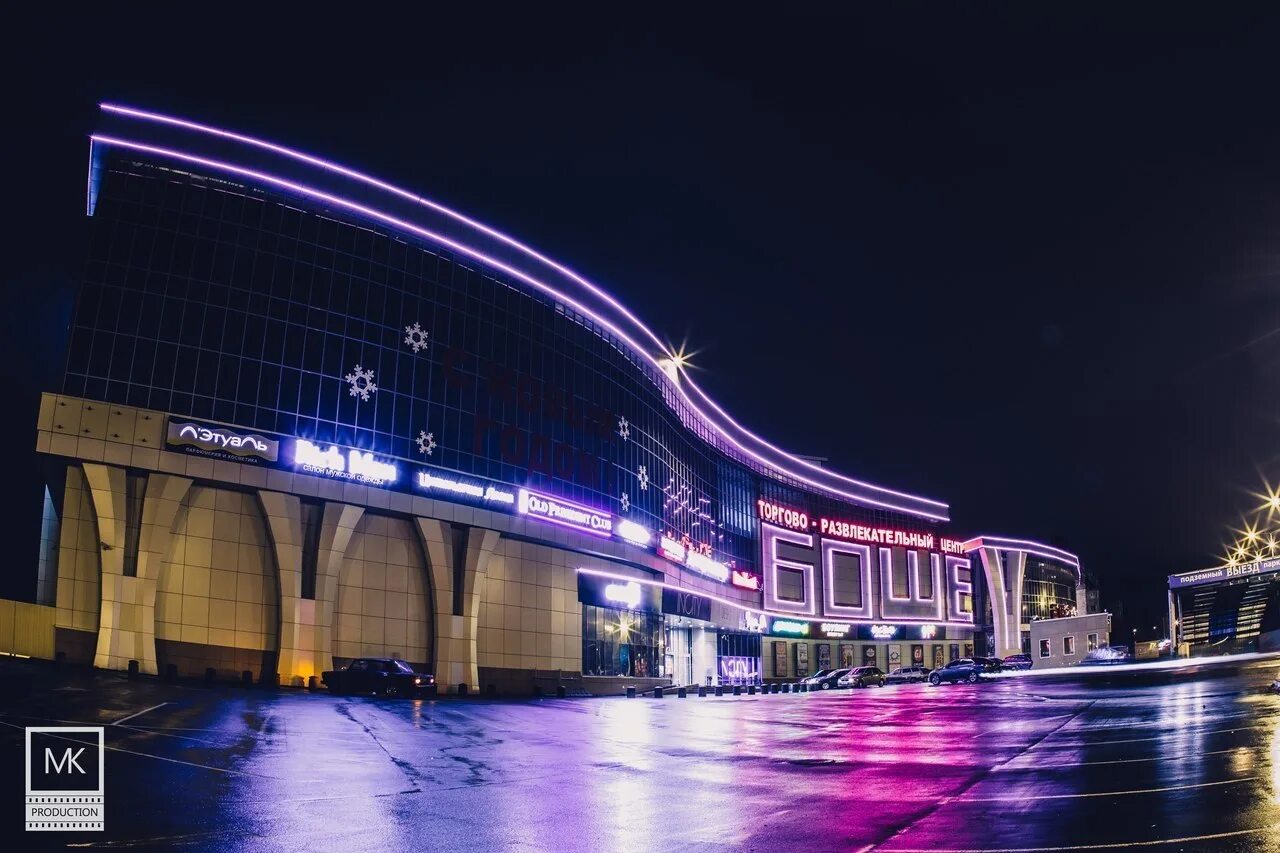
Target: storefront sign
756,622
876,535
619,594
951,546
928,632
781,515
1223,573
219,440
687,604
704,565
883,632
835,629
746,580
355,465
671,549
564,513
790,626
634,533
430,481
739,670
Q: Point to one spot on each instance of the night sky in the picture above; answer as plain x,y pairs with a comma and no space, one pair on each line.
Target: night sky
1024,261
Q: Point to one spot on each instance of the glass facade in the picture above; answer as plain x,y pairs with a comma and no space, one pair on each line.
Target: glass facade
621,642
1048,591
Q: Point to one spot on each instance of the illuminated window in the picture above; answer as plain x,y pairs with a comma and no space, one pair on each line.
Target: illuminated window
1092,641
790,584
1044,648
1068,646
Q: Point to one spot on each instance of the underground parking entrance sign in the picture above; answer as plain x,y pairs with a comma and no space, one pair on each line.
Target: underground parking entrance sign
64,778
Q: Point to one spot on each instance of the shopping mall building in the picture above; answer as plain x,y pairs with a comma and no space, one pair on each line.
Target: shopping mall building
308,416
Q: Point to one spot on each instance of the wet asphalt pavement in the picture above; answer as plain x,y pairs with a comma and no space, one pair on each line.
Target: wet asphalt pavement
1191,759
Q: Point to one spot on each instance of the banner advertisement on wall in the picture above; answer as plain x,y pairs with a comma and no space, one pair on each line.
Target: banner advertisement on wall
868,655
917,655
824,656
895,655
938,661
802,659
846,655
955,651
779,659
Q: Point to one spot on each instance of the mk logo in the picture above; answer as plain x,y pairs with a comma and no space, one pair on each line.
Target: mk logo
70,761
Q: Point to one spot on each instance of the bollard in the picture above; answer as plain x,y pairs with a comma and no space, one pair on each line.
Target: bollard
773,688
719,689
561,692
657,693
786,688
210,675
493,689
133,669
681,693
737,690
702,691
462,689
312,682
751,690
171,672
631,693
803,688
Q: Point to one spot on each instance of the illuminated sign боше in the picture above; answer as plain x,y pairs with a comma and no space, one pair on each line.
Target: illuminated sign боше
355,465
565,513
883,632
218,439
790,626
778,514
432,482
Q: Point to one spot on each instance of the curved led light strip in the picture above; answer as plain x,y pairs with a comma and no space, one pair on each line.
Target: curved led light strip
1001,543
592,288
800,617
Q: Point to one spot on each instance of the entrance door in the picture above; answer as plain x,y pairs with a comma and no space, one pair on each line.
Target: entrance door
680,655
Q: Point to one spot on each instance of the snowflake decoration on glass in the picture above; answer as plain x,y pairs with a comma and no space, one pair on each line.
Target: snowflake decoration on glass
625,500
426,442
361,382
624,428
642,475
416,337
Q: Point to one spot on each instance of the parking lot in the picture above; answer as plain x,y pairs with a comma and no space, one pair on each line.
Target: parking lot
1015,763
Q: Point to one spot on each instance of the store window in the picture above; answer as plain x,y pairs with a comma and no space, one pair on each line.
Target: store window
790,584
1092,641
846,571
1068,645
621,642
1044,649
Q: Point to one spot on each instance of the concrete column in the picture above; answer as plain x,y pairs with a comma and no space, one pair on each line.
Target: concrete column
119,639
306,624
1004,572
456,660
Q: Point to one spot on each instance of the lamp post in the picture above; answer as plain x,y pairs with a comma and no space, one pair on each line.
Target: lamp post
1135,643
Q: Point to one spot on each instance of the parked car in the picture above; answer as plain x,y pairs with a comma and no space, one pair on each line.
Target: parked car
1017,662
830,680
810,680
907,675
961,669
863,676
989,664
379,676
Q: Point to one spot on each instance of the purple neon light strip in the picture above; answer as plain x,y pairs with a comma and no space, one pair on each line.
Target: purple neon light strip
770,537
831,547
957,586
939,584
569,273
738,605
1003,543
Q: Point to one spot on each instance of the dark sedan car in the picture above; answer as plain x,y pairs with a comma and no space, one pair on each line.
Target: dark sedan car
1017,662
379,676
829,681
963,669
989,664
863,676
